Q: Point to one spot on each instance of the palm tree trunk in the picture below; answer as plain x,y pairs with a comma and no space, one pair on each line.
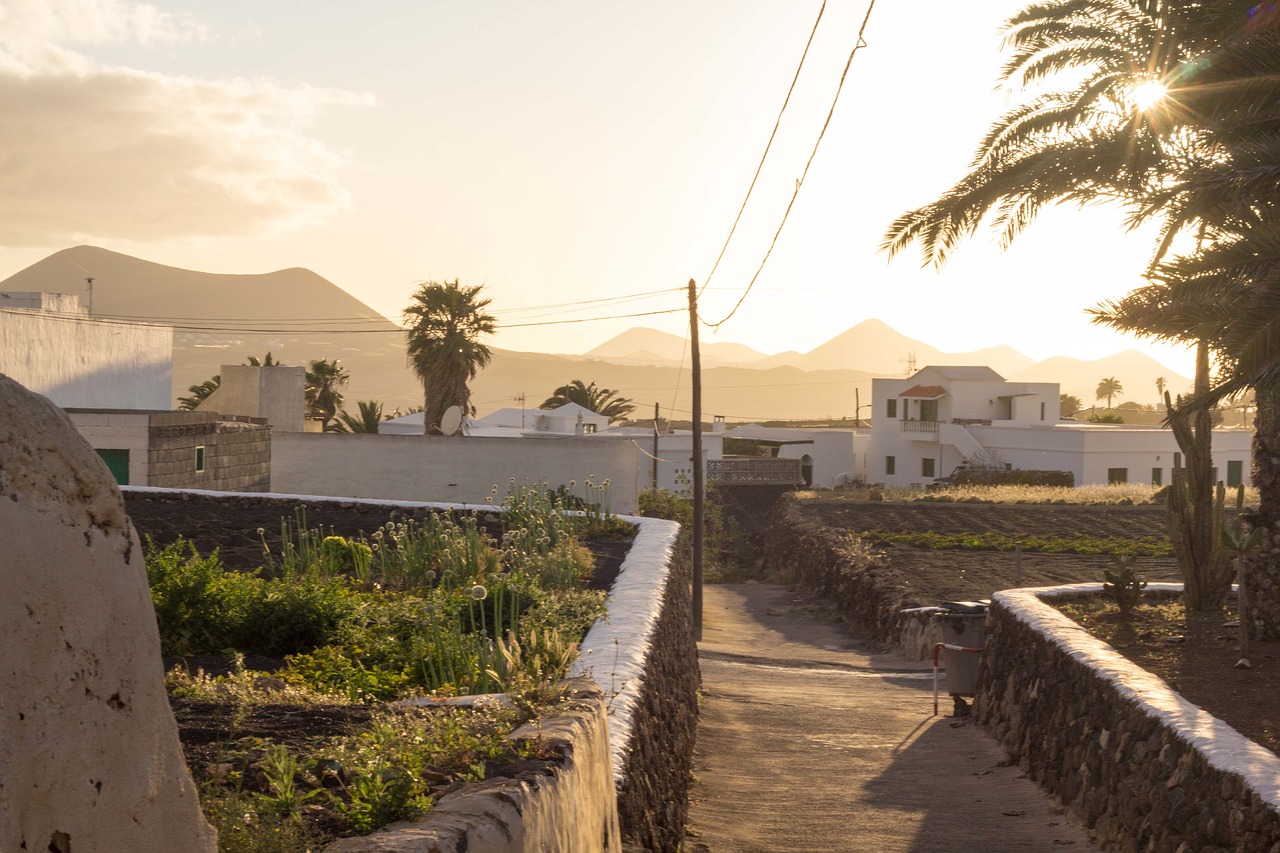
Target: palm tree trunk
1205,565
1260,569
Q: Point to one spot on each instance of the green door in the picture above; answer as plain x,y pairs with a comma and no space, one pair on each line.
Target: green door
117,463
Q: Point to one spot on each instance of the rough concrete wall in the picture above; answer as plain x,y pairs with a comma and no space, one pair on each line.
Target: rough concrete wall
90,758
77,361
237,457
566,803
456,469
1138,764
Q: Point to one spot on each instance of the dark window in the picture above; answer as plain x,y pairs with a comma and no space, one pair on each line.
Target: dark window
1157,476
891,407
1235,473
929,410
1042,411
199,458
1117,475
889,464
926,468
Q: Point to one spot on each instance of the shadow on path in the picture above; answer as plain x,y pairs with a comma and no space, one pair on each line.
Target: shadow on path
811,738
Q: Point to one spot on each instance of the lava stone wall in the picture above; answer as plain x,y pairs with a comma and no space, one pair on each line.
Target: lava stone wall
1129,773
653,797
871,592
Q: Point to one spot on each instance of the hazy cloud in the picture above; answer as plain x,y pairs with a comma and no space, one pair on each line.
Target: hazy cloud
88,151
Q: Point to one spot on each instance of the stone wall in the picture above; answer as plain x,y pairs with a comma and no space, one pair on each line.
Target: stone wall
564,802
870,592
1145,769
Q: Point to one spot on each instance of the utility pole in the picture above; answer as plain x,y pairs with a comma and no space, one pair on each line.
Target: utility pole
697,462
656,412
90,281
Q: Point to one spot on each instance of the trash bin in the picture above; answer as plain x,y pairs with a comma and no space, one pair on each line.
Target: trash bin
964,626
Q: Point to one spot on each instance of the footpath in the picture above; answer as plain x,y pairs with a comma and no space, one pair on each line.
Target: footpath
811,740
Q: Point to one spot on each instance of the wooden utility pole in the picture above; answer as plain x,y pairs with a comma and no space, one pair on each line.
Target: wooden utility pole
656,412
698,488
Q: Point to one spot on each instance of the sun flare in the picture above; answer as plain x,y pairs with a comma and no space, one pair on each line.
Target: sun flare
1146,96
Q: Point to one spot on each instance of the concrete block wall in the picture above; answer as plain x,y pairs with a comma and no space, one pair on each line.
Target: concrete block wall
237,456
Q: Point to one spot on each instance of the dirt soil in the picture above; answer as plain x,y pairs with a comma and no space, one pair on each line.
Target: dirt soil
1197,657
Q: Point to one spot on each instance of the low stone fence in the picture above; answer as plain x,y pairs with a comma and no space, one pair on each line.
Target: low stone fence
864,588
643,657
1137,763
1141,766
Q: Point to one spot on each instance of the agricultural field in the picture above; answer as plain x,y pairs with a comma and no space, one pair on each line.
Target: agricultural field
293,634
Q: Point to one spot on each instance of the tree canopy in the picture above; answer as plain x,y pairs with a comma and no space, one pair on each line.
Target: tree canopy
444,326
602,401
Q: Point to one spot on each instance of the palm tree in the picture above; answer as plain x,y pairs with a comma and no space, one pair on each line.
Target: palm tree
1109,388
265,361
1161,384
1068,405
199,393
367,422
1227,291
444,325
323,379
1081,134
602,401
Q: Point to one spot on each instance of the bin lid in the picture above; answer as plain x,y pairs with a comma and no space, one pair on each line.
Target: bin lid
972,607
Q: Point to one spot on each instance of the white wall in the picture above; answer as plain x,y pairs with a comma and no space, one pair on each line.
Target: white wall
275,393
76,361
119,431
449,468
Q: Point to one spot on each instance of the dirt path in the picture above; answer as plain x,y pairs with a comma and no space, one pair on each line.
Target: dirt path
810,740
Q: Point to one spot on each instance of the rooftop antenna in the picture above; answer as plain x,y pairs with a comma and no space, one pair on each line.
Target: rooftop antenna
910,362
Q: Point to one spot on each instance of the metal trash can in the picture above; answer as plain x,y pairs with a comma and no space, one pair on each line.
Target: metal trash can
964,633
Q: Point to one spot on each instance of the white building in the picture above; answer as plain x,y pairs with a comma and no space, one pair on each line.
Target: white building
52,346
926,425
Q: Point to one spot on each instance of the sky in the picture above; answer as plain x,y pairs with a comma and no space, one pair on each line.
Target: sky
579,158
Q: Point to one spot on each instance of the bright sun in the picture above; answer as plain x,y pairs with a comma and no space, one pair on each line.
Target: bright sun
1147,95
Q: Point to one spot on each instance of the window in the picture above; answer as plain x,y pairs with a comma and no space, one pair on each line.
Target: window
1117,475
1177,460
927,467
891,407
199,458
1042,411
588,429
1157,476
929,410
889,464
1235,473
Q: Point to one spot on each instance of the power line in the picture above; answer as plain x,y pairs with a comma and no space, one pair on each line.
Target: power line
858,45
777,122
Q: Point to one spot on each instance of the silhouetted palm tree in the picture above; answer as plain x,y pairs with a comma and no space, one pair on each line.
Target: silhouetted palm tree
199,393
602,401
1109,388
367,423
444,325
323,380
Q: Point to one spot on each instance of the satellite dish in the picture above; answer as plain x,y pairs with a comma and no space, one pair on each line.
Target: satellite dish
450,420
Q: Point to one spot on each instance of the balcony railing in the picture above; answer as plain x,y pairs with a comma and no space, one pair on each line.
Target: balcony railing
920,426
755,471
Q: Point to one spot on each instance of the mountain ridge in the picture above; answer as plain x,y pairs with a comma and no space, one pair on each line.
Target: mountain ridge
213,316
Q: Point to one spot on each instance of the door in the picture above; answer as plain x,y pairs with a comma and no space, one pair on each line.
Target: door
117,463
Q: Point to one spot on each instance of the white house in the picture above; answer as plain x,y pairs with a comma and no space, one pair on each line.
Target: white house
926,425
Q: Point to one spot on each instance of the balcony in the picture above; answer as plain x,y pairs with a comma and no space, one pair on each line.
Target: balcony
762,472
922,430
